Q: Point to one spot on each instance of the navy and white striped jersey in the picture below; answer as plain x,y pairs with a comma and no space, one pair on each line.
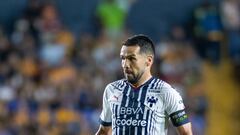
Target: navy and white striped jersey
145,110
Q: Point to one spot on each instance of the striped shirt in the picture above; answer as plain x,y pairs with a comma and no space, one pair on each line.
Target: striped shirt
144,110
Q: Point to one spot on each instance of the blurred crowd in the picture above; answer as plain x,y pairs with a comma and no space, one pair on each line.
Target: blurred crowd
51,81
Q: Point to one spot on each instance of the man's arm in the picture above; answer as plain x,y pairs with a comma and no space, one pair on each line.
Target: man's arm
176,110
106,115
104,130
185,129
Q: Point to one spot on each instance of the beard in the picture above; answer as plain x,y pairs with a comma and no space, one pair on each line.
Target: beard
133,78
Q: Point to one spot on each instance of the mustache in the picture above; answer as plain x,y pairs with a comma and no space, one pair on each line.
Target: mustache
127,70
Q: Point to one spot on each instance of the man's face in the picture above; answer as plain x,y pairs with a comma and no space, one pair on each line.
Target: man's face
133,63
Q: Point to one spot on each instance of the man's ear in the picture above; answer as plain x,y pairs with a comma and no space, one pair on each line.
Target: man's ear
149,60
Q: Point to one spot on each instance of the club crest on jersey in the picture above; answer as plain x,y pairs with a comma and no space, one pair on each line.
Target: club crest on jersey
152,100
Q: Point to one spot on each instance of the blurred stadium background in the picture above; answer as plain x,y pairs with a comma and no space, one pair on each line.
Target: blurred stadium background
57,56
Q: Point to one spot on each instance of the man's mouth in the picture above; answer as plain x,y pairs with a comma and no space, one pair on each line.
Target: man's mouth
128,71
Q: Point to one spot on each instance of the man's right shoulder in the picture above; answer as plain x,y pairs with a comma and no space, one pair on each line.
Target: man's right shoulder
117,85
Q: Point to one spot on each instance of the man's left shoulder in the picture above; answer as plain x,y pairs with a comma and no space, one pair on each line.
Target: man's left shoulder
160,86
166,88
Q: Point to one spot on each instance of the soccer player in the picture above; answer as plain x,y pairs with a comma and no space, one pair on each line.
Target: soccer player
141,104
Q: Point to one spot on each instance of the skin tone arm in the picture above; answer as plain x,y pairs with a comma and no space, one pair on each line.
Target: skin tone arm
185,129
103,130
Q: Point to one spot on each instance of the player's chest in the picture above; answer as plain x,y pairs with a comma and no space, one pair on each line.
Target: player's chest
135,103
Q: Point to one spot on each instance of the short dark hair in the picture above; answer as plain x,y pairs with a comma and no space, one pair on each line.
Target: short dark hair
144,42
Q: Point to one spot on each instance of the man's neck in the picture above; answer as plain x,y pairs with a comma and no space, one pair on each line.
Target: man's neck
142,80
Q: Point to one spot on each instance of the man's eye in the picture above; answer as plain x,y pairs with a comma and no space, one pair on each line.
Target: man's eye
132,59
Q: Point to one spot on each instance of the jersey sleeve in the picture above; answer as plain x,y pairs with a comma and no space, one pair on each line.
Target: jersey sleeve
106,114
175,108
